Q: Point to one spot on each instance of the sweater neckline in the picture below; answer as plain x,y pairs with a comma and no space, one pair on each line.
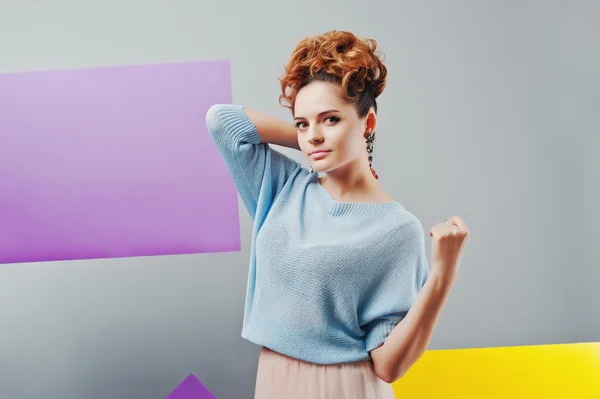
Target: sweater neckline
339,208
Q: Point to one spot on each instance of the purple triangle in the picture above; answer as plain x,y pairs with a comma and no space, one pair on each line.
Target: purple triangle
191,388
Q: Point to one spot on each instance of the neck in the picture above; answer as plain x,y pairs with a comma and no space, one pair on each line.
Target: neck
350,180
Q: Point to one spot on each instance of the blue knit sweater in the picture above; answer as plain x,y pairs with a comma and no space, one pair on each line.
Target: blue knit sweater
328,280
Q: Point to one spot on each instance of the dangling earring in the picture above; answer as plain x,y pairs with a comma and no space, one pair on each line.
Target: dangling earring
370,139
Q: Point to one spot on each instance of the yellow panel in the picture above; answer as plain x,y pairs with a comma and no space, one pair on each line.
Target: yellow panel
566,371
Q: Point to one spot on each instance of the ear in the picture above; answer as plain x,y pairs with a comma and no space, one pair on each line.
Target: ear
370,123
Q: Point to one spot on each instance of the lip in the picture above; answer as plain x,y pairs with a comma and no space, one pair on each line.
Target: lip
319,153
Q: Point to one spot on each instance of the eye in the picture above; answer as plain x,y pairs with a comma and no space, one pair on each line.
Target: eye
332,119
301,125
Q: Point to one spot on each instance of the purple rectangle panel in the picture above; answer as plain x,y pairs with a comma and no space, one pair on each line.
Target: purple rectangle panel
113,162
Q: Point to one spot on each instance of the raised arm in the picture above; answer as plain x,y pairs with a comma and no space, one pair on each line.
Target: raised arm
408,340
395,326
272,130
243,137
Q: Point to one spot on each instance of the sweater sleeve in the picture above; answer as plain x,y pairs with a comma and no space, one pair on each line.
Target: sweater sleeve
258,171
402,278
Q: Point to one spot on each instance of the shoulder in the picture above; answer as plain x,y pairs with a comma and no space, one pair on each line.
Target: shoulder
406,227
404,219
400,251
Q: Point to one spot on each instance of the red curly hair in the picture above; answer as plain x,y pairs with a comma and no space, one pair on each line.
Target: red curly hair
337,57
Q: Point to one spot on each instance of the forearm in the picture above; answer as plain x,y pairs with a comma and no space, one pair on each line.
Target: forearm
272,130
410,338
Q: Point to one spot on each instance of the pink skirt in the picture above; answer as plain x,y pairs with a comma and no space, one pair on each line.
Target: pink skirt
282,377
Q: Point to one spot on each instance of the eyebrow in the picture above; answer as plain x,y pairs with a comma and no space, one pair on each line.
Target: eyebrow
320,113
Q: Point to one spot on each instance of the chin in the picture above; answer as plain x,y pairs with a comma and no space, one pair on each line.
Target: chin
320,166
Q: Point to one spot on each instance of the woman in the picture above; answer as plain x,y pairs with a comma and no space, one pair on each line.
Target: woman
340,295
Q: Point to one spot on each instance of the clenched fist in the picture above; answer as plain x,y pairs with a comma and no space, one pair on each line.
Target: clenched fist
449,240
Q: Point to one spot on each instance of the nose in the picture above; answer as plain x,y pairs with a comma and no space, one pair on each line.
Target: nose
314,136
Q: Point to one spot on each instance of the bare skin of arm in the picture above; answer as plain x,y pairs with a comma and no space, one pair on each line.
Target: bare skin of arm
273,130
410,338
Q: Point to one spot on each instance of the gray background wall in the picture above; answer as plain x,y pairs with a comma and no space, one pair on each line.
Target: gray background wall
491,113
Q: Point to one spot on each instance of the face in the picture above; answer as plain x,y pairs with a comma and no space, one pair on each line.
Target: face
330,132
